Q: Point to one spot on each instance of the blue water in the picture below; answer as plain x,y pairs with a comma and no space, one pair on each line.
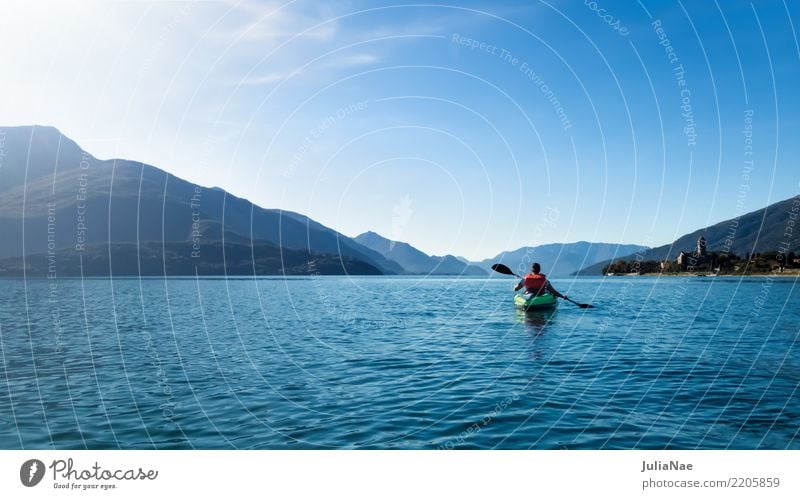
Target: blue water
336,362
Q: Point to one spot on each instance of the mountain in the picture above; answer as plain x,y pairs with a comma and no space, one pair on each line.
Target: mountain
54,196
415,261
755,232
560,259
176,259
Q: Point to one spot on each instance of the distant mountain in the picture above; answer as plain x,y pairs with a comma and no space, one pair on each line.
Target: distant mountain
755,232
55,196
560,259
415,261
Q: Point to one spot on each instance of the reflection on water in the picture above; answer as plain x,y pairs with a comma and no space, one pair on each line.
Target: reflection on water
535,321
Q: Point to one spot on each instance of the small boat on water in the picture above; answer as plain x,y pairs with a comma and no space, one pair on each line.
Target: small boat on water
535,303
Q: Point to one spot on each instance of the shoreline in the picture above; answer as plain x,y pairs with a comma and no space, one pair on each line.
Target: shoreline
692,274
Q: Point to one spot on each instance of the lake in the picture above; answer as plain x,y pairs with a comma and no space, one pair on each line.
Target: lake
398,363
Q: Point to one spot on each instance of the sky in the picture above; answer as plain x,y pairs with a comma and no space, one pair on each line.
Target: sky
465,128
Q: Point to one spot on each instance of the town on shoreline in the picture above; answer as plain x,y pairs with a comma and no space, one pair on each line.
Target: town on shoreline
711,264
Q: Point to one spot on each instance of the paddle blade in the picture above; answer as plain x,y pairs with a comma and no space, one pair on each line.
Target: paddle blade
502,269
581,305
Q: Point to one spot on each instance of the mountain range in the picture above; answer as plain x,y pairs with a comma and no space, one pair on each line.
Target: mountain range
758,231
86,216
415,261
559,259
55,197
63,210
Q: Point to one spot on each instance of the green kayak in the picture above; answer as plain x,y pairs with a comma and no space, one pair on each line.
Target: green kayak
531,303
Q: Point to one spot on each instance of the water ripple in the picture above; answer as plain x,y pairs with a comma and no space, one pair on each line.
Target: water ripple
332,363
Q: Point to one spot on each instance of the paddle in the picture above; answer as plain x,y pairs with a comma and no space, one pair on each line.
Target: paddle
582,305
502,269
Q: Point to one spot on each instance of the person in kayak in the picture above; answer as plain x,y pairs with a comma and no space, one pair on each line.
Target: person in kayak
537,284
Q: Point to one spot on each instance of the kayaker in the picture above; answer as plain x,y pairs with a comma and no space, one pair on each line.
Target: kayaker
537,284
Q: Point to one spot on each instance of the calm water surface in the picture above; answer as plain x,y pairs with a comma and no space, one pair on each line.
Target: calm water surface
398,363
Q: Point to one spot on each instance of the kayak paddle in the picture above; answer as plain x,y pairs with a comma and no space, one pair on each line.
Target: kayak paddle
502,269
582,305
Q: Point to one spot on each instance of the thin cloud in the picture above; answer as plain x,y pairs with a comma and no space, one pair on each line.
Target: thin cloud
349,61
273,20
266,79
355,60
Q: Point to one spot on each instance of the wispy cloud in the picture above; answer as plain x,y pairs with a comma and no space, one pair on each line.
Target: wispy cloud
259,21
332,64
266,79
355,60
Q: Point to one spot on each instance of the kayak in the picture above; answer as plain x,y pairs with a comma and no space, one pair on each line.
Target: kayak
530,303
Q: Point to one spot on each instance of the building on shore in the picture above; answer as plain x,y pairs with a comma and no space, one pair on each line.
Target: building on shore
683,259
700,250
691,261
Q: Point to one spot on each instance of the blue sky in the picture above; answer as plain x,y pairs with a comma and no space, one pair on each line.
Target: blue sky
465,128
